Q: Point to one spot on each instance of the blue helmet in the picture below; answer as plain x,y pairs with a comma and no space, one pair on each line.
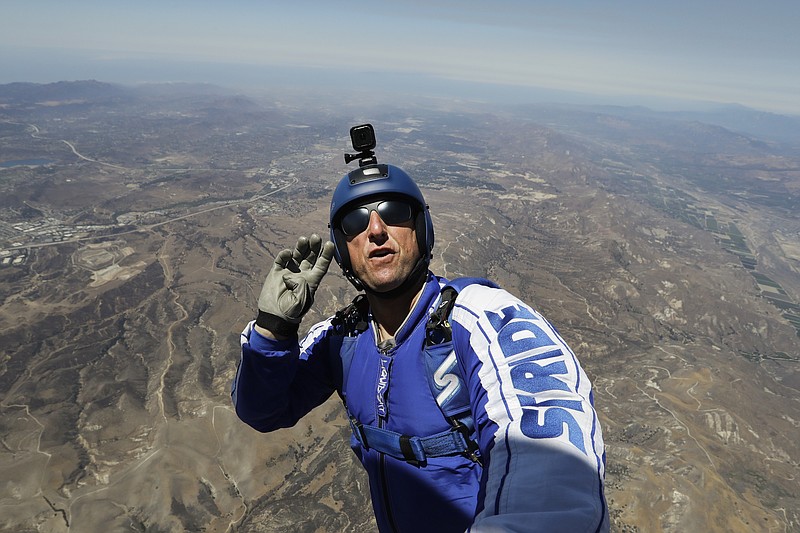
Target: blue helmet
376,181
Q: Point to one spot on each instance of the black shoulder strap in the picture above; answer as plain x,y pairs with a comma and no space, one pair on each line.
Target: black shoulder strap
437,329
353,319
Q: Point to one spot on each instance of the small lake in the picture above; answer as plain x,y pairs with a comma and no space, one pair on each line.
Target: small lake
25,162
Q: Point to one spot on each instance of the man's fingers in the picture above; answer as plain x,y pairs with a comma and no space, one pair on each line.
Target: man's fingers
323,262
314,247
283,258
327,251
315,243
301,249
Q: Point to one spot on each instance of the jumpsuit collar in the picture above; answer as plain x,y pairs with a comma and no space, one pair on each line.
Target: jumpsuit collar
418,314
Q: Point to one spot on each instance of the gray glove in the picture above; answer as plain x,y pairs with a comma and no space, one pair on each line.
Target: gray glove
288,291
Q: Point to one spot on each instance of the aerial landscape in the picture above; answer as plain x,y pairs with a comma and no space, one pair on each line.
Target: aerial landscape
137,224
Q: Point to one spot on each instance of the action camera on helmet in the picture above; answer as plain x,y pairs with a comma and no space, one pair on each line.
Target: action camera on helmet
363,139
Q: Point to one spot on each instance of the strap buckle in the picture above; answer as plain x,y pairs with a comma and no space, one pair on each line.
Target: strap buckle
471,449
407,450
358,431
437,329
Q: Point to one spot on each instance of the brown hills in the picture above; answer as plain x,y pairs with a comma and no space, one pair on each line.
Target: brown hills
666,252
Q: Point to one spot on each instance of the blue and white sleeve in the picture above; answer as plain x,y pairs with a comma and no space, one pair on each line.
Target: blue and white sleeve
544,459
280,381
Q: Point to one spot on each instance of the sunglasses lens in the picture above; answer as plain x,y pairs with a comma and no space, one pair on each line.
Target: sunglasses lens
392,212
355,221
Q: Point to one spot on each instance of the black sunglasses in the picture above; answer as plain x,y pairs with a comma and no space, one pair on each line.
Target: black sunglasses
392,212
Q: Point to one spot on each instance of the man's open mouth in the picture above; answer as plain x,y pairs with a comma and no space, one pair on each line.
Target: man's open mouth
380,253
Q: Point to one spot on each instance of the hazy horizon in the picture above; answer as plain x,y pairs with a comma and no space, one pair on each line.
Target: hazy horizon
670,56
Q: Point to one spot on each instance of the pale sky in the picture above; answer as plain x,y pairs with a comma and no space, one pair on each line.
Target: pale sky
745,52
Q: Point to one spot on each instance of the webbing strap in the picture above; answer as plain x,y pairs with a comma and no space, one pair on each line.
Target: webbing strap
437,329
413,449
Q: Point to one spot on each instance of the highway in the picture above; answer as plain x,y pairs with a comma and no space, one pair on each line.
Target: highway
147,227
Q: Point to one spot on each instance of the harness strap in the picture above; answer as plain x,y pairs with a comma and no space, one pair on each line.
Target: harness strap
352,320
437,328
413,449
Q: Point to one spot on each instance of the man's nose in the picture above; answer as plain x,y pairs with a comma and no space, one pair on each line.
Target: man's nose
376,224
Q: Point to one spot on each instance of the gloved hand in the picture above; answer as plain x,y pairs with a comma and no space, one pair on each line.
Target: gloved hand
288,291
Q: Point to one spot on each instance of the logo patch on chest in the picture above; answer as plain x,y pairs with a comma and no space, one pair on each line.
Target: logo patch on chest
382,386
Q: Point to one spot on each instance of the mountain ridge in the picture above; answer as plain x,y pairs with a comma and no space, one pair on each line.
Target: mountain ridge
137,265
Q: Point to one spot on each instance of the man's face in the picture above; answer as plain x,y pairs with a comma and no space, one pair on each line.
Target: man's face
384,254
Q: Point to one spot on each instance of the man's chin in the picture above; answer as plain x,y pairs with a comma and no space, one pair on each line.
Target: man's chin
385,278
383,286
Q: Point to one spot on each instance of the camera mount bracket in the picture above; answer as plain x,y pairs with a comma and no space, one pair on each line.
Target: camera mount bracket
363,139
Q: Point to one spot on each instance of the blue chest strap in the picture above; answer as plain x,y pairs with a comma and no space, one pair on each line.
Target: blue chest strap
413,449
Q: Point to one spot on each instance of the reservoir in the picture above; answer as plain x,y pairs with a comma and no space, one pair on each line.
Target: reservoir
25,163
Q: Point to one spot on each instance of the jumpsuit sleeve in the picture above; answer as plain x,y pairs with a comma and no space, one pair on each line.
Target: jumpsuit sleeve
279,382
538,431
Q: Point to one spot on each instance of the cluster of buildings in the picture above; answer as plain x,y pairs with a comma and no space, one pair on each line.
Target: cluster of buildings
13,257
15,237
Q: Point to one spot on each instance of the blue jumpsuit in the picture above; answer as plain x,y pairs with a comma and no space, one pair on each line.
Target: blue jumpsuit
542,466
